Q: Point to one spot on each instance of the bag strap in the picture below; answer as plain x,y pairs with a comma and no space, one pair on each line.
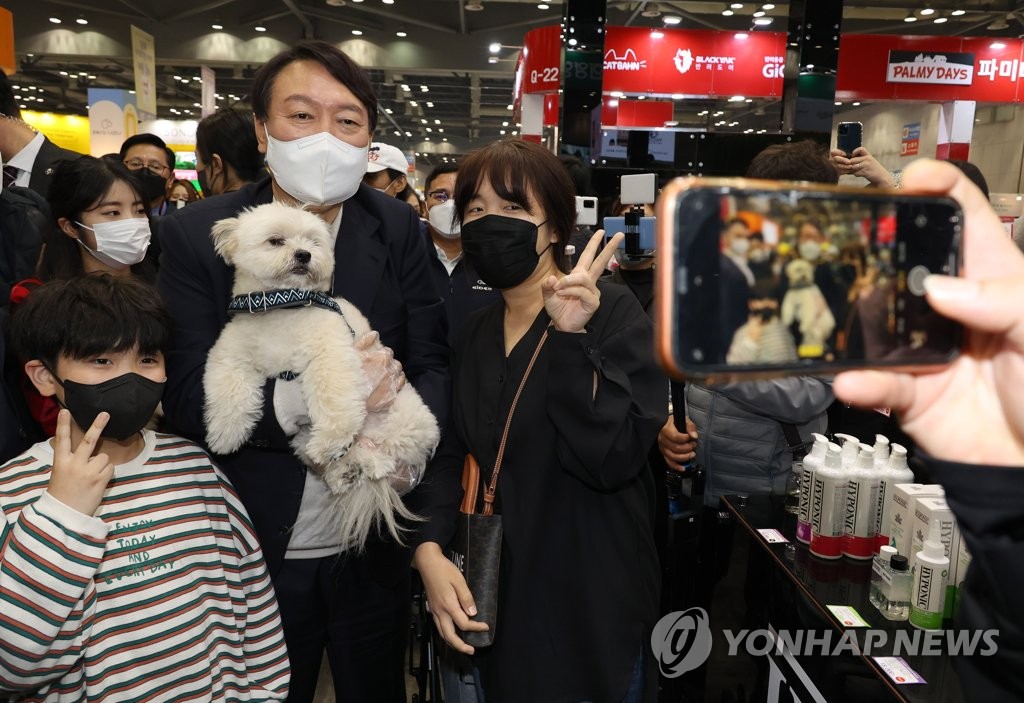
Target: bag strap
796,445
470,482
493,486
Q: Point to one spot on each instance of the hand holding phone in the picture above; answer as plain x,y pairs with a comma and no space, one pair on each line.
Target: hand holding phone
849,136
970,411
831,315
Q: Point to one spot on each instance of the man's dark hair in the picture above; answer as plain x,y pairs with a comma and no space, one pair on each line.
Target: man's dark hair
89,315
797,161
973,173
438,171
229,134
8,103
334,60
147,138
579,174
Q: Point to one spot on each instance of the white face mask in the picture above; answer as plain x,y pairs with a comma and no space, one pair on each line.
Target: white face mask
740,246
442,218
809,251
317,170
119,243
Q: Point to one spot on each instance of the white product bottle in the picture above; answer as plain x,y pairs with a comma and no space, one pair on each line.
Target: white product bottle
851,448
861,503
897,471
811,463
881,473
828,503
931,568
881,451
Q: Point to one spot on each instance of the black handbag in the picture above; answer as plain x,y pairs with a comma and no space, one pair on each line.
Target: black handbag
476,547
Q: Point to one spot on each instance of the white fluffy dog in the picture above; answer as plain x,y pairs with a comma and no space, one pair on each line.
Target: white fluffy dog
282,253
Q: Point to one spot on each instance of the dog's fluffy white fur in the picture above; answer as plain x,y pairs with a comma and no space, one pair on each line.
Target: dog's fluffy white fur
276,247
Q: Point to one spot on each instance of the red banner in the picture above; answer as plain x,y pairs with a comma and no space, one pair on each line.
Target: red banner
542,60
693,62
886,67
642,113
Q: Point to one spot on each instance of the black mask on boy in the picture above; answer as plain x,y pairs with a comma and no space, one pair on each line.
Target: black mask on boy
130,399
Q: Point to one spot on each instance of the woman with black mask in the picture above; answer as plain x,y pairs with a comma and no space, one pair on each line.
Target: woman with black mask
227,154
578,593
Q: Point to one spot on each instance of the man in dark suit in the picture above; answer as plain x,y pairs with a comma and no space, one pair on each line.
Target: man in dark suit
28,157
315,112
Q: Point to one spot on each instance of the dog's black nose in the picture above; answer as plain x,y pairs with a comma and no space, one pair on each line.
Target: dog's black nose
303,256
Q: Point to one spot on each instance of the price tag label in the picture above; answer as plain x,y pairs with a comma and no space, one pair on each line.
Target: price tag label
898,670
847,615
772,536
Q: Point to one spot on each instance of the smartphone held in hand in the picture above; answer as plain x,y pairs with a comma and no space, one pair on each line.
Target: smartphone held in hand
849,136
758,279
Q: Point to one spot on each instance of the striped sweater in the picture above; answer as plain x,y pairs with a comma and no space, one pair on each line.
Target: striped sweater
162,596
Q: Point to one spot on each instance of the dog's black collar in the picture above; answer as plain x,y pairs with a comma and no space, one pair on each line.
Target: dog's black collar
264,300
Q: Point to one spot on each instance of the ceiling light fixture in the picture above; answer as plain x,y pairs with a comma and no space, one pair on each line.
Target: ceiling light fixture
728,13
335,3
737,6
216,26
999,23
260,28
740,35
82,20
401,34
677,96
855,104
767,6
763,21
357,32
388,2
759,13
492,59
494,47
543,6
657,35
474,5
55,20
910,18
941,20
651,9
957,13
927,11
997,45
424,89
672,19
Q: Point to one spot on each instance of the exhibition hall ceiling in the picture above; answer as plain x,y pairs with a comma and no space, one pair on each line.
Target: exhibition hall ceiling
431,61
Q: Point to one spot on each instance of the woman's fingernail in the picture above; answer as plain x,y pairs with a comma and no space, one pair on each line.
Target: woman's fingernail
951,288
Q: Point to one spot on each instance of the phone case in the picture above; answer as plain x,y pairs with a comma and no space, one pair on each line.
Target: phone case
853,137
670,283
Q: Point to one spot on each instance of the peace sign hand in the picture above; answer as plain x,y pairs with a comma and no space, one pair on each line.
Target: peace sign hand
78,479
574,298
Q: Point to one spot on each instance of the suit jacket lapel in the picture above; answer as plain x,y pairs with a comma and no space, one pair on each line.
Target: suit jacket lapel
359,256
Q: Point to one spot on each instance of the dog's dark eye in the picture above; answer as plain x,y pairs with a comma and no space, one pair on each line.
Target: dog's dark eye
276,241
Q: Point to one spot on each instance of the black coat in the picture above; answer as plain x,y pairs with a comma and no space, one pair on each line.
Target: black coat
45,165
381,266
579,582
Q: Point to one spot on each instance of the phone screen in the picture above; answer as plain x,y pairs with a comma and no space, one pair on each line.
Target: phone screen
801,279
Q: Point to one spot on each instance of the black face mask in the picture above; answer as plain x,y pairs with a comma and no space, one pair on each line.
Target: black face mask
130,399
153,185
766,314
502,250
204,185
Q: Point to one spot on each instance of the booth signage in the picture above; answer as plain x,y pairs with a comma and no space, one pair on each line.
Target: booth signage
941,68
640,60
910,141
542,60
887,67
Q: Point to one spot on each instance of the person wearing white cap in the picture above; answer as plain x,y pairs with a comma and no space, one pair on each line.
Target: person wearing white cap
386,169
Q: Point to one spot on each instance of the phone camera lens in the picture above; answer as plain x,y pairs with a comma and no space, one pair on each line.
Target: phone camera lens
842,129
921,221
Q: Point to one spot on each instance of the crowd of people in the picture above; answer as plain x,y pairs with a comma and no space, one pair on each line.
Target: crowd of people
132,562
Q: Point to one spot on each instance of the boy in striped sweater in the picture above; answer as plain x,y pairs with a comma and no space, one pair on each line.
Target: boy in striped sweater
129,570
